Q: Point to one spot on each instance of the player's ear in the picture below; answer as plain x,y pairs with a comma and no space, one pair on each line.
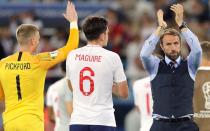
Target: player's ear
32,41
29,42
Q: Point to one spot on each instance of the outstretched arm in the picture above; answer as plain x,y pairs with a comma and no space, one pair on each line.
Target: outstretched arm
195,55
49,59
150,61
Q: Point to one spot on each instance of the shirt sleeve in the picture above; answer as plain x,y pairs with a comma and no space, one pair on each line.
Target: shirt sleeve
49,59
119,74
150,62
68,67
194,58
49,97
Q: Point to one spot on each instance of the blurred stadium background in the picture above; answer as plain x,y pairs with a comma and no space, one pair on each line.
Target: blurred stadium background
130,23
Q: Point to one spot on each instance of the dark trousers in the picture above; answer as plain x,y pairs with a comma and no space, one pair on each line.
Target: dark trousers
189,125
91,128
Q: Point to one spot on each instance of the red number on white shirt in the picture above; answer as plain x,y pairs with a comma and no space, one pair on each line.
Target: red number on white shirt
148,104
88,78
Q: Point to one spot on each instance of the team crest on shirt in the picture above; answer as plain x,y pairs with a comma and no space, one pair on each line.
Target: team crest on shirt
205,111
54,54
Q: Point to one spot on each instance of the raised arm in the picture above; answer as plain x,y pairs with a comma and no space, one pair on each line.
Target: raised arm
150,61
71,16
194,58
49,59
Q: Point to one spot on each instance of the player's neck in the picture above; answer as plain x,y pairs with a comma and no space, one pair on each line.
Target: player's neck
95,42
25,49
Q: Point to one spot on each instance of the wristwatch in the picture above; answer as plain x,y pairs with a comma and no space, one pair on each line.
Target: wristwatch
183,25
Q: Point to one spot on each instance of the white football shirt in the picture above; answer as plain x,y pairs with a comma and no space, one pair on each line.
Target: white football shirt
92,71
57,96
143,100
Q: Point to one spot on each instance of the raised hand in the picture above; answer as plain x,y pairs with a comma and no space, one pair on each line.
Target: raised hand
71,13
161,22
179,13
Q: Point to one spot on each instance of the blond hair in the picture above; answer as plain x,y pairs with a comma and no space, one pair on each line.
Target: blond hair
24,32
205,45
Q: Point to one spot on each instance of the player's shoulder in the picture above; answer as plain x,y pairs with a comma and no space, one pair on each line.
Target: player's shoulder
141,81
9,58
110,54
57,83
72,54
4,60
75,51
52,89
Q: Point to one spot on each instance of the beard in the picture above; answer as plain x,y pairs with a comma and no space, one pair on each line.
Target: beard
173,55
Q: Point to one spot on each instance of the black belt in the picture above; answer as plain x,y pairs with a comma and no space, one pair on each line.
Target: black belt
173,119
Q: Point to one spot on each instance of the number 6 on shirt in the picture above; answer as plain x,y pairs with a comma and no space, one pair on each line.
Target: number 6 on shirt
82,78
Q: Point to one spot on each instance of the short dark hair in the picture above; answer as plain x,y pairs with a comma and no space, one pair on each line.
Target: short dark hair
205,45
169,31
94,26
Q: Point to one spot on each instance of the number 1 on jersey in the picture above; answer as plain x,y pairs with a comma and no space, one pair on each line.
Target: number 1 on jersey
83,78
18,87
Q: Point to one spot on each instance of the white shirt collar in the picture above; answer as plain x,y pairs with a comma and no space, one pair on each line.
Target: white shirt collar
92,45
178,60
